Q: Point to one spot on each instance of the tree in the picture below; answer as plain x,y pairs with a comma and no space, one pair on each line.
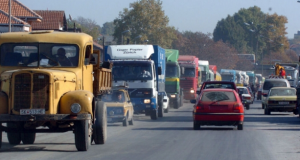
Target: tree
252,31
202,46
146,19
87,26
108,28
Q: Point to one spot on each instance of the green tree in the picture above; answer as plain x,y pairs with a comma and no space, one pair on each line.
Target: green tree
87,26
108,28
145,18
252,31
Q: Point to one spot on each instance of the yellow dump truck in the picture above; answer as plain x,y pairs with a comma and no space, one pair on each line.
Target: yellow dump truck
52,82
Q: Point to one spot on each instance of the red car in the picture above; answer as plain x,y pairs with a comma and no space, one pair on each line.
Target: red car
218,107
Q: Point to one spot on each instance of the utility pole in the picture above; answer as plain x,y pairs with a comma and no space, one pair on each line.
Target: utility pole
9,23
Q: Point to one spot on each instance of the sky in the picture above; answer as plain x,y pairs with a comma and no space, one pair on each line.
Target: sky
184,15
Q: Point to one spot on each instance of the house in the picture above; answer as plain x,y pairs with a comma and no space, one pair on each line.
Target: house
52,20
18,11
17,24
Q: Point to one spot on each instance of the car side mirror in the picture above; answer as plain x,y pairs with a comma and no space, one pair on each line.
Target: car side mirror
198,92
193,101
165,100
128,101
240,92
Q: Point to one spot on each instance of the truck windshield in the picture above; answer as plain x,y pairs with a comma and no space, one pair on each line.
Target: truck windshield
172,71
39,55
188,72
290,73
131,71
227,77
251,79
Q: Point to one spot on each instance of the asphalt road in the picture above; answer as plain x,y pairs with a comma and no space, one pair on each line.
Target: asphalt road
267,137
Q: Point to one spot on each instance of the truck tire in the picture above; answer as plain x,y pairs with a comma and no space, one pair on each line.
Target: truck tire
125,121
154,114
160,108
131,121
28,138
14,138
0,135
82,137
100,125
176,104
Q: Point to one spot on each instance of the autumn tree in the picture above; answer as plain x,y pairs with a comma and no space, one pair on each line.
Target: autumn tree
252,31
146,21
202,46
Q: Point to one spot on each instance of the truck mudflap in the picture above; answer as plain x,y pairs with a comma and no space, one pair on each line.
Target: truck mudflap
47,117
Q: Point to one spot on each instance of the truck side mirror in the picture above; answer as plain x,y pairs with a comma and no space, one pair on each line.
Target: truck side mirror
182,70
159,71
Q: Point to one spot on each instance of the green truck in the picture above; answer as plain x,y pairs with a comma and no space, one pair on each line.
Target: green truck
172,86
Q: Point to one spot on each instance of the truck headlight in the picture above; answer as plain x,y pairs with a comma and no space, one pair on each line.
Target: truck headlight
192,91
146,101
173,95
75,108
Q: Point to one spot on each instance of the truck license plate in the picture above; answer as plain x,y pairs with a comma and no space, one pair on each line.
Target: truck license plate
31,111
284,102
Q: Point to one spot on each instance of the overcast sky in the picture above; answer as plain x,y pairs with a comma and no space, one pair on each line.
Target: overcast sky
184,15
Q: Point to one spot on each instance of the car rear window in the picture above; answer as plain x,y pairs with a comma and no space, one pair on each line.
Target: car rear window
228,86
270,84
218,96
282,92
245,90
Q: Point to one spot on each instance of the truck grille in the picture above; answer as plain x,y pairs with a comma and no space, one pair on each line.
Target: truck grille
171,88
186,84
31,93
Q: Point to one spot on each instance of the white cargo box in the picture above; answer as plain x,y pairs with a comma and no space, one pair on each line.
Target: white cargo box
130,51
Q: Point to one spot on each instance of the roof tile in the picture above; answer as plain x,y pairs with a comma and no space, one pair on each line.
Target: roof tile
4,19
51,20
18,9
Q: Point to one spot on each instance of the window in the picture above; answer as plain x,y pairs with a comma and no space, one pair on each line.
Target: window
218,96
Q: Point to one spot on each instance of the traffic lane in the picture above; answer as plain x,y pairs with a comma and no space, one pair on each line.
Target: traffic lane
170,137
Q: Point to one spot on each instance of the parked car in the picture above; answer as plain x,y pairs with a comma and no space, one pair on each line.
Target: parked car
270,83
281,99
218,107
166,103
246,96
119,107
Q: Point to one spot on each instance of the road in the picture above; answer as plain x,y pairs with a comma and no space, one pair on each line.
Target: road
268,137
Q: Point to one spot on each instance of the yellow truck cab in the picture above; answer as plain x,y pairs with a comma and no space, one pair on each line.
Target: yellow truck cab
119,106
52,79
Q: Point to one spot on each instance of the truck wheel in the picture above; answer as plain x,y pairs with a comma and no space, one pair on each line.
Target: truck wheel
82,137
131,121
176,105
14,138
28,138
160,108
100,126
154,114
125,121
0,135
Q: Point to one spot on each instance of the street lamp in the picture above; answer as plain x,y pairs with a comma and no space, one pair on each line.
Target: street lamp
139,36
123,33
